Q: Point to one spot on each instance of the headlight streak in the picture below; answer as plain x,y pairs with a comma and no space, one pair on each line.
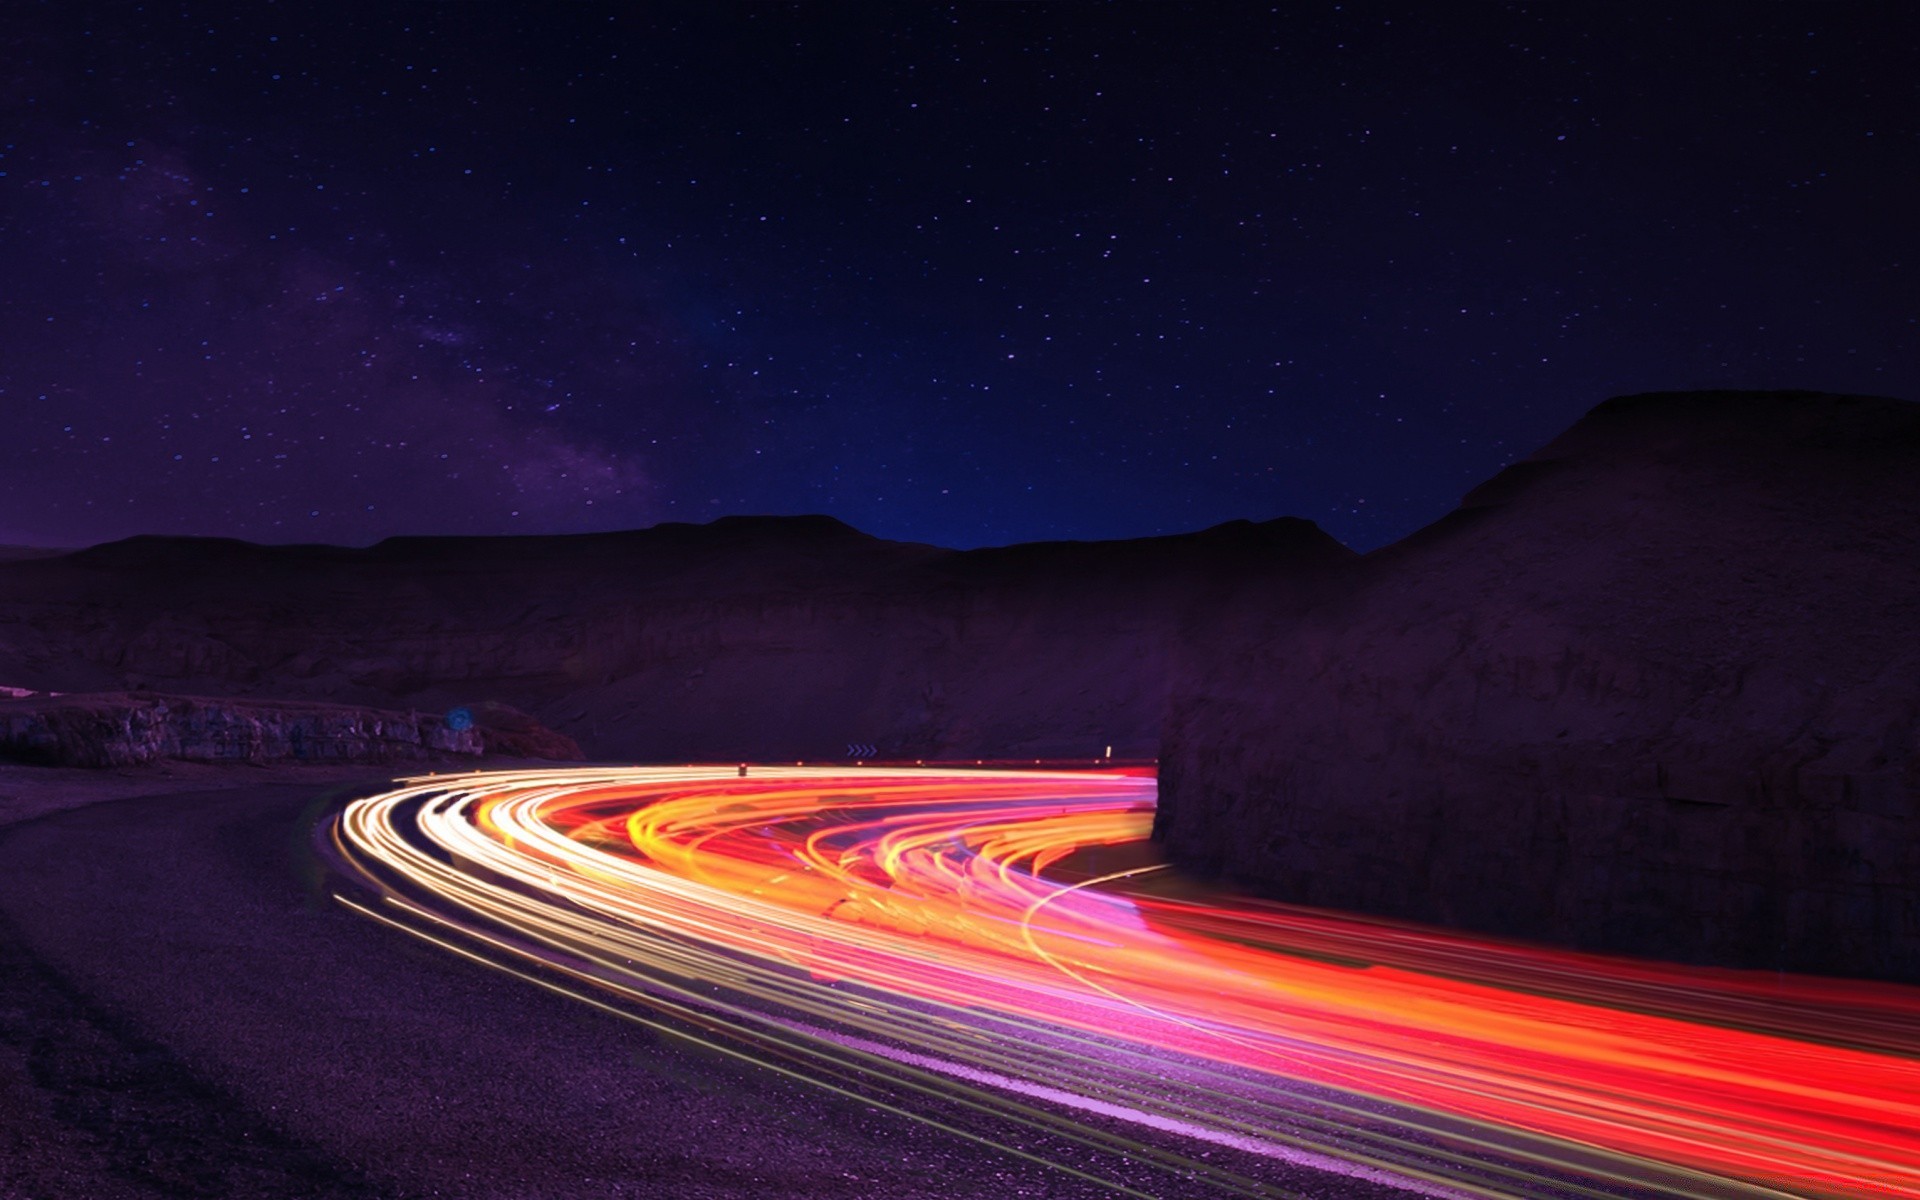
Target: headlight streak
897,929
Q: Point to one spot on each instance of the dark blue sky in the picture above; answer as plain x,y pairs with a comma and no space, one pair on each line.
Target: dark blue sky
965,275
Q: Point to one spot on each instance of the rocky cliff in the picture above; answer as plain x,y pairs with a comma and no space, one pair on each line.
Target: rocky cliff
117,730
1655,689
751,637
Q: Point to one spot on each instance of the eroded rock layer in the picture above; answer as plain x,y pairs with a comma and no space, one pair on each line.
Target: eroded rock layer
117,730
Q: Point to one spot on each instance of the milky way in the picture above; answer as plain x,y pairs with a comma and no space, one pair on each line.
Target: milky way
962,275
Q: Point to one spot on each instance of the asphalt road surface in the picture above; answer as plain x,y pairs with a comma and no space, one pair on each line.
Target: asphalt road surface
185,1011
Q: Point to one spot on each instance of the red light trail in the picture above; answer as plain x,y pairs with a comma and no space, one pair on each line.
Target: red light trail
992,949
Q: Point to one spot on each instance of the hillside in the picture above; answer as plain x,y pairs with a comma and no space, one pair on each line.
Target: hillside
1655,689
763,638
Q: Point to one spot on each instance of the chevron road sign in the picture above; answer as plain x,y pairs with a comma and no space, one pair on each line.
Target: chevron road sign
861,750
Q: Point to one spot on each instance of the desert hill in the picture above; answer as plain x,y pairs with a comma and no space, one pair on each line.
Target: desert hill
749,637
1655,689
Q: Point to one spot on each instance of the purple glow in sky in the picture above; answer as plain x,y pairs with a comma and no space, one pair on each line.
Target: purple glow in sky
963,274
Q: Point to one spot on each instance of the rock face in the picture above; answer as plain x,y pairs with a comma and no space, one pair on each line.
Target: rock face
117,730
1655,689
760,638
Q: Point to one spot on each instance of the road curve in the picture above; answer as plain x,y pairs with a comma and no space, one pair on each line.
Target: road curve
991,951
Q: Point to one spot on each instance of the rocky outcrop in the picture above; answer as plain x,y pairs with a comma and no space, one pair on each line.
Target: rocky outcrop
1656,689
116,730
758,638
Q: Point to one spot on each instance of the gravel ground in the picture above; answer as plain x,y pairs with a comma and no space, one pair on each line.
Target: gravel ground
185,1012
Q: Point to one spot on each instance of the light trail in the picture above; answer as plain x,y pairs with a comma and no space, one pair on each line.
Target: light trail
947,943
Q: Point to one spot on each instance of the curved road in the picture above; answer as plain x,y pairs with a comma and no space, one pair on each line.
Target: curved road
991,955
185,1011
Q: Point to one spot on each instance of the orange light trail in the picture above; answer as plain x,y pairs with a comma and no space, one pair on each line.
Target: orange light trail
995,943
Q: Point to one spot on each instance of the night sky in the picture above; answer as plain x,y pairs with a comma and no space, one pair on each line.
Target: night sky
963,275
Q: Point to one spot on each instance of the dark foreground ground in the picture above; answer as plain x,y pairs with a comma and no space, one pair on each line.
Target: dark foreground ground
184,1012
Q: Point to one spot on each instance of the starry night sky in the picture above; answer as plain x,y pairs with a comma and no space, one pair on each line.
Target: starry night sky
964,275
